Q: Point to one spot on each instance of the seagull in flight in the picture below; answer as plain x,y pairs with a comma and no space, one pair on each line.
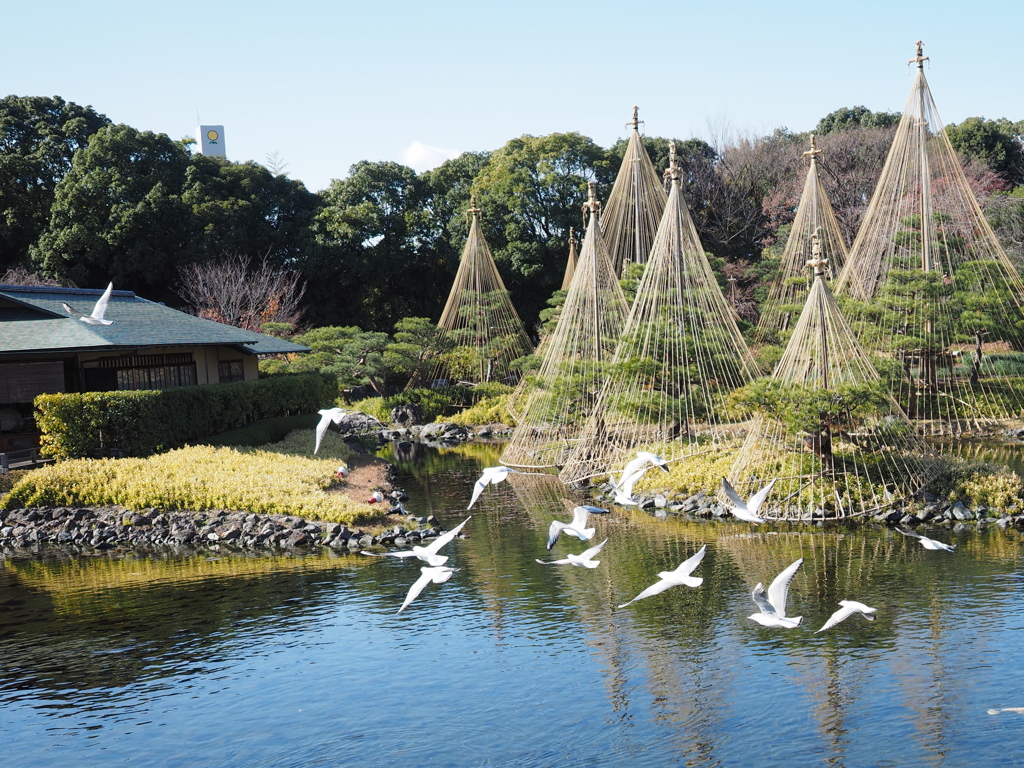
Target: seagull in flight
98,311
928,543
438,574
490,476
576,528
427,554
632,472
773,607
849,608
583,559
328,415
680,575
747,510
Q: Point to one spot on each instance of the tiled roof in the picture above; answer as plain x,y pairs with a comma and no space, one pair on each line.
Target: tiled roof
33,320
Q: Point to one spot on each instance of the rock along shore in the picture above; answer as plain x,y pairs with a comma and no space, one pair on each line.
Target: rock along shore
76,531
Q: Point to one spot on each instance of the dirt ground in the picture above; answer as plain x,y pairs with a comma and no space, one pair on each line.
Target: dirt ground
367,474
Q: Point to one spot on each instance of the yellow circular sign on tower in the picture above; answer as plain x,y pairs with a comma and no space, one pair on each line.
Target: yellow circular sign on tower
212,135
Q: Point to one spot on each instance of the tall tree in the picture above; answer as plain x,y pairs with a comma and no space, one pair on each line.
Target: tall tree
118,213
38,138
846,118
997,143
371,266
531,192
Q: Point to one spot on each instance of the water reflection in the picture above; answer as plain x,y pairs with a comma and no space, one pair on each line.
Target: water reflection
514,662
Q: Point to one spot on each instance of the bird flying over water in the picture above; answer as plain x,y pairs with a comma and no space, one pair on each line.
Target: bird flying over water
427,554
773,606
438,574
98,311
747,510
849,608
576,528
490,476
632,472
929,543
680,576
583,559
328,415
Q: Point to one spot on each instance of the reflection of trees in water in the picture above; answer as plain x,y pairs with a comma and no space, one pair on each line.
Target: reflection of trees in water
113,622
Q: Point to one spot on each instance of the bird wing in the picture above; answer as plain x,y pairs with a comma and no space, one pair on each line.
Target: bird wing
321,428
579,518
589,553
867,610
478,488
554,531
733,496
444,538
596,510
430,558
656,588
71,310
779,589
687,566
758,498
554,562
101,305
843,613
910,533
761,600
425,578
402,553
629,480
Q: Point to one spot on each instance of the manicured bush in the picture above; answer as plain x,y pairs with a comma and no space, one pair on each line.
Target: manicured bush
270,479
139,423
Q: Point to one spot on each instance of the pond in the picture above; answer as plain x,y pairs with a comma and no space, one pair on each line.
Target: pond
302,661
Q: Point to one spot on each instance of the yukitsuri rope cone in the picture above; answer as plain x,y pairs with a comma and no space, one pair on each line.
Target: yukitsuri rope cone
928,288
634,207
814,215
480,330
679,357
570,265
516,401
826,426
562,393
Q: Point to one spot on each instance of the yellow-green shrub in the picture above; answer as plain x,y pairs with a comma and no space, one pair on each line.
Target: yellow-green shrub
275,479
490,410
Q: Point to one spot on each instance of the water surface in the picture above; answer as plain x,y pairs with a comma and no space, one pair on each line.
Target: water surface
302,661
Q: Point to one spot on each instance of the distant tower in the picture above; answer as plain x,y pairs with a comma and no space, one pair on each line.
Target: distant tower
210,140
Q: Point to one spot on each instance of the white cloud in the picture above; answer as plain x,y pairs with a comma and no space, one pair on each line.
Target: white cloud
420,157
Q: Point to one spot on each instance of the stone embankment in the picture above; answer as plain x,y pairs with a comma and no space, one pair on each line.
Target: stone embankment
931,511
87,530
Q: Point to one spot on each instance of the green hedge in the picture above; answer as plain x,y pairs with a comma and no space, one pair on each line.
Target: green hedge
140,423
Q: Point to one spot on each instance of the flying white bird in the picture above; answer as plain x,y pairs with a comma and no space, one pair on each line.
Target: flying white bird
98,311
747,510
438,574
326,417
849,608
680,576
491,476
632,472
928,543
583,559
576,528
773,607
1018,710
427,554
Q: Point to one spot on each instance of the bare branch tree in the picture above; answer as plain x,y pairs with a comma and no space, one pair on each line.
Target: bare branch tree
22,276
234,292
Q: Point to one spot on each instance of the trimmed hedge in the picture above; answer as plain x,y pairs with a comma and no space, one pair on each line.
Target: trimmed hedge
140,423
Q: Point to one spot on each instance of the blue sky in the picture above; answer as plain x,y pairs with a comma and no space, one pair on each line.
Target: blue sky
325,85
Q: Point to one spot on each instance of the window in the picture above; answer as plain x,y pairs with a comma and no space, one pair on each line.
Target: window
142,372
230,370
